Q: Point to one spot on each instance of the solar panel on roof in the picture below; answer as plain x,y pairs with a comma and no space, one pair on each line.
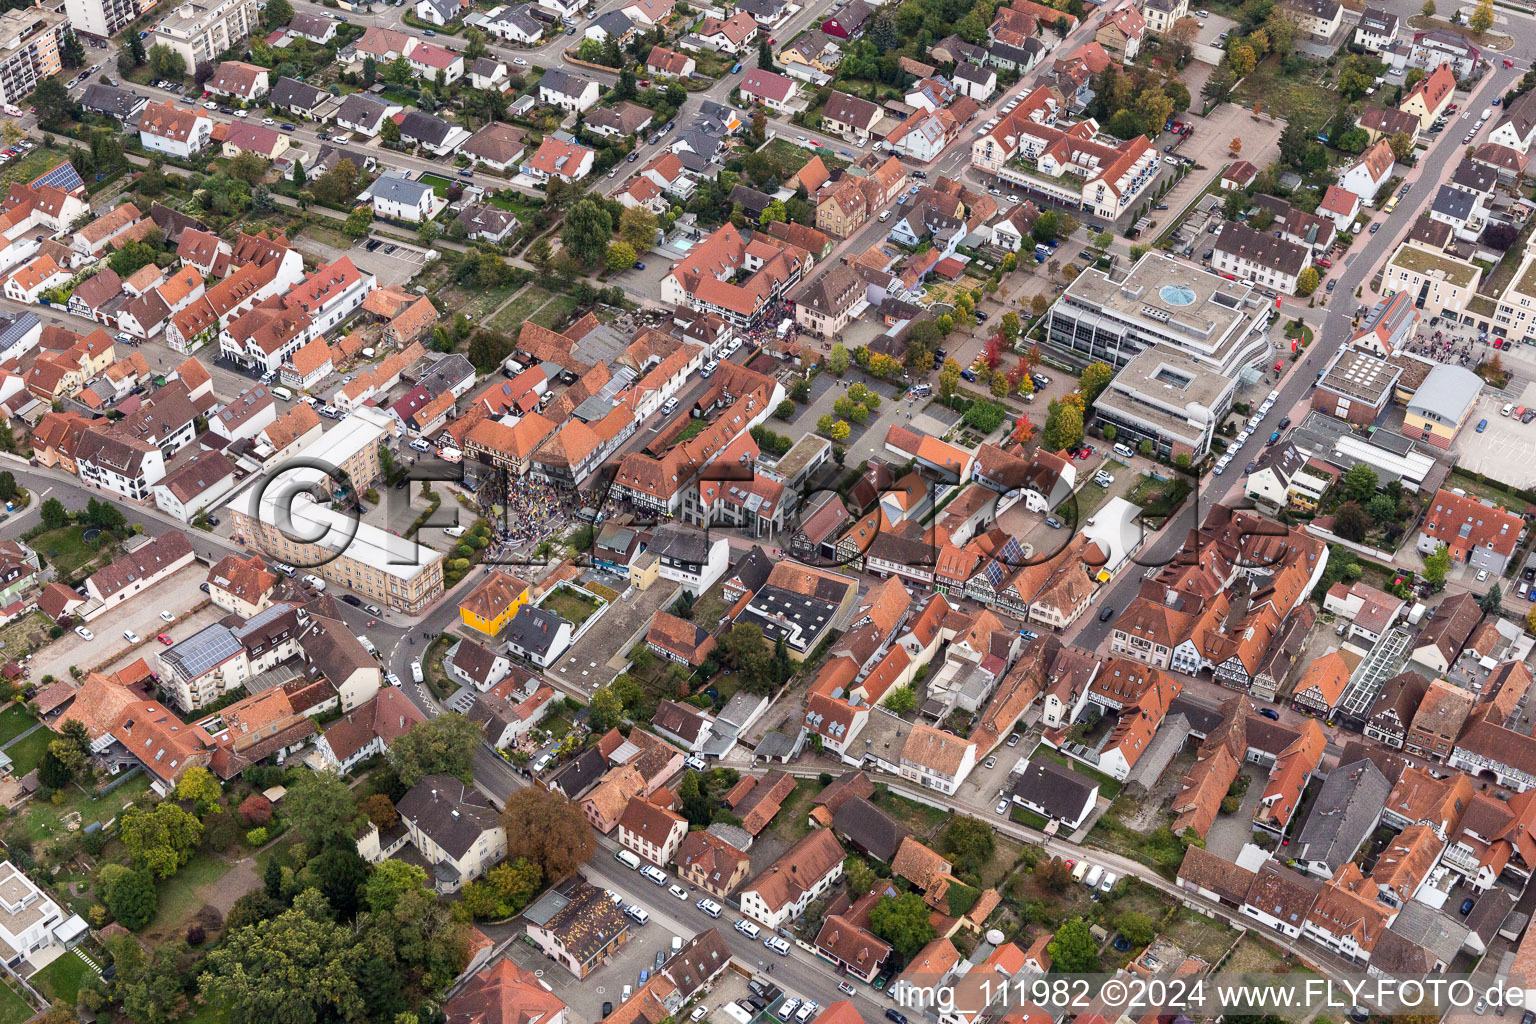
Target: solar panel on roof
202,651
63,177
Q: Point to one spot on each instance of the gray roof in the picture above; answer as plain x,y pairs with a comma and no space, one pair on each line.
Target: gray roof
971,73
519,17
400,190
1447,392
579,774
1347,808
203,650
105,99
869,828
1062,792
1453,203
1436,932
563,82
290,92
452,814
361,108
534,629
1475,177
426,128
447,9
615,24
684,544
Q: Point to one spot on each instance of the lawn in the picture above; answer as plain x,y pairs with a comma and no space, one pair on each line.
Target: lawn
482,302
14,721
44,821
1159,498
794,818
788,156
512,316
1287,97
65,549
1255,956
62,978
327,236
515,203
32,166
25,754
179,895
13,1008
554,312
922,819
1200,935
25,635
438,182
570,605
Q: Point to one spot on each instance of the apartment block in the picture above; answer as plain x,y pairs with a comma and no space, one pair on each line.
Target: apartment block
202,31
29,50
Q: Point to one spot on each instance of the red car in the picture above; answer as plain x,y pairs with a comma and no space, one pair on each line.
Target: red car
165,638
1508,63
1083,453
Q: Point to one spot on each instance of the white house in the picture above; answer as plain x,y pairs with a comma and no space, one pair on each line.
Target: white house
402,199
1369,173
567,91
197,484
538,635
803,874
689,557
440,12
368,729
937,760
166,128
515,24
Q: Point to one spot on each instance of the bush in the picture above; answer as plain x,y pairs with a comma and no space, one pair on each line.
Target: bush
255,810
256,837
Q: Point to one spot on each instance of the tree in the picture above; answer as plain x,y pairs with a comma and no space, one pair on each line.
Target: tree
744,649
1361,482
903,922
1491,603
359,222
969,843
838,359
1482,17
1436,566
54,104
160,839
1351,522
606,710
136,50
1073,948
1180,38
620,256
1428,10
389,132
320,808
169,63
901,699
129,896
547,829
1242,59
1063,427
341,873
199,786
1009,326
278,13
588,229
300,966
1136,927
764,54
1094,379
1307,281
1356,76
637,226
1044,229
72,52
861,877
949,379
442,745
1053,874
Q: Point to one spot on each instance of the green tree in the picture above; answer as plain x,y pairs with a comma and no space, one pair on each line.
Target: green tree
620,256
1063,427
199,786
1073,949
370,72
1307,281
341,873
606,710
320,809
1357,75
1242,59
1360,482
54,104
296,968
1351,522
1482,17
903,922
278,13
136,50
744,649
588,230
129,896
861,877
637,226
1436,566
160,839
969,843
548,830
359,222
1491,603
168,63
838,359
442,745
949,379
1428,10
901,699
1136,927
1093,380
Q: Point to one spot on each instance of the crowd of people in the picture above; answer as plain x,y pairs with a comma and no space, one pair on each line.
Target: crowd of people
533,513
1452,349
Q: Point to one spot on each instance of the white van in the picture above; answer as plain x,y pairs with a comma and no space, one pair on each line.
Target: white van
315,581
455,531
654,873
748,929
367,645
778,945
1094,874
638,914
450,455
282,393
709,907
1110,878
416,672
628,859
807,1010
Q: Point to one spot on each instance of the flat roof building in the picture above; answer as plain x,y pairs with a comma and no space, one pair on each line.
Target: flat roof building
1356,386
1114,315
1165,397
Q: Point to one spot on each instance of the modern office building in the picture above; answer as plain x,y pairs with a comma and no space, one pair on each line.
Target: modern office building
30,40
1165,397
202,31
1219,324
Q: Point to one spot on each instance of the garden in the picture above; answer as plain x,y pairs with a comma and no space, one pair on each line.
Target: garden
572,604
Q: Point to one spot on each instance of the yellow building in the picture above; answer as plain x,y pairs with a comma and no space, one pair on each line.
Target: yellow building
494,603
644,570
1439,283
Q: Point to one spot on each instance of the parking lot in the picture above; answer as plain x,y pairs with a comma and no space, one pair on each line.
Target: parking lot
392,268
1506,450
180,595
